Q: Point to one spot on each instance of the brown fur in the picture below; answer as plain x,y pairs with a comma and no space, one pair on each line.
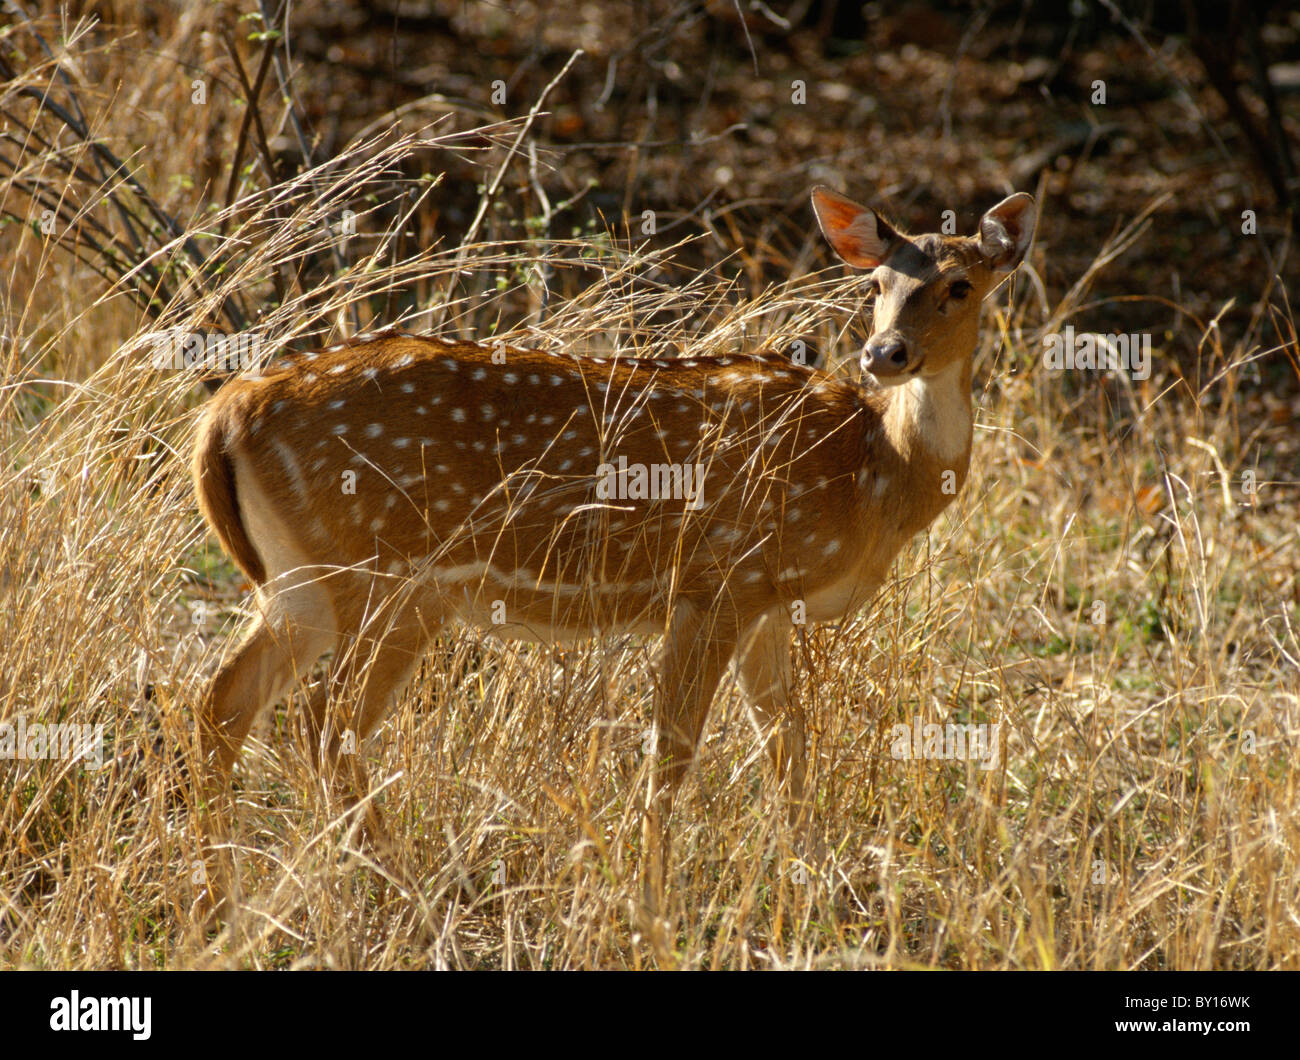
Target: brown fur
476,496
214,487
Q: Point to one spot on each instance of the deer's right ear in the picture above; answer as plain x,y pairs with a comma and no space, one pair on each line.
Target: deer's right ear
858,236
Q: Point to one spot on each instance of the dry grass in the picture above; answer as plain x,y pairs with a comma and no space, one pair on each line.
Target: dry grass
1143,813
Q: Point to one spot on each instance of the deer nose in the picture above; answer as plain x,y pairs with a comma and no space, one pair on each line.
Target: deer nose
885,354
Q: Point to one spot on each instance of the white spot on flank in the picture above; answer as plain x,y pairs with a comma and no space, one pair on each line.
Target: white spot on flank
479,375
374,430
420,410
450,364
376,524
401,443
408,388
556,380
488,412
403,361
370,373
340,428
458,415
510,378
442,505
882,484
336,404
338,369
290,461
479,446
831,548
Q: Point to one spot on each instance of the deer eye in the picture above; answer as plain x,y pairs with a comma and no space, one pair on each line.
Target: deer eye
959,289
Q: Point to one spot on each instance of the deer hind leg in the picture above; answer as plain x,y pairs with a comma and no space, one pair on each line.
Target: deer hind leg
767,678
261,670
285,639
697,650
366,681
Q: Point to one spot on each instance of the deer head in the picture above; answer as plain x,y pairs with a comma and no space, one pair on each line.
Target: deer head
926,288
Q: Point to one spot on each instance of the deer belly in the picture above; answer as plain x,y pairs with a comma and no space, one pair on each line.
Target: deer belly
533,608
843,597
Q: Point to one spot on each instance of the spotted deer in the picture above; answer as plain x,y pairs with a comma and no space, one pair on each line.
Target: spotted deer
375,492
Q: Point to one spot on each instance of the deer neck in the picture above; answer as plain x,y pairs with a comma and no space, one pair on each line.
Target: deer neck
929,418
928,426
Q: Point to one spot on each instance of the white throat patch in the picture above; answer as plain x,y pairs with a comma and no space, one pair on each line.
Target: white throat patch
940,410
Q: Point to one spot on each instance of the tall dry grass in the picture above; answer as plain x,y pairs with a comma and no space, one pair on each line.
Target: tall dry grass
1142,813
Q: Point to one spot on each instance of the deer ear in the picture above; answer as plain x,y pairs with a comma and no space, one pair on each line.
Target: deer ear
857,235
1005,231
